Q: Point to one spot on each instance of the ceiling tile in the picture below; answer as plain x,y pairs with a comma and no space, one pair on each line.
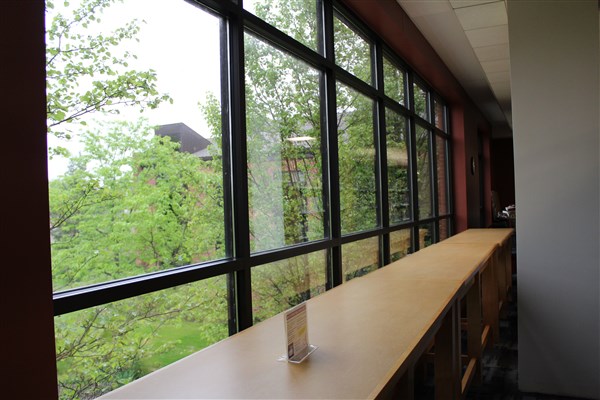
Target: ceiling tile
499,77
464,51
496,66
502,90
488,36
491,53
469,3
482,16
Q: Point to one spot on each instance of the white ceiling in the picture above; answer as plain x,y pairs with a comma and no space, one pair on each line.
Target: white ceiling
471,37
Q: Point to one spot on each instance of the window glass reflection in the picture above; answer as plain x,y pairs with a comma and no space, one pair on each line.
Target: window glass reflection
357,160
136,181
359,258
283,284
439,111
283,148
296,18
444,229
398,167
400,244
102,348
425,235
421,105
441,163
393,81
423,139
352,52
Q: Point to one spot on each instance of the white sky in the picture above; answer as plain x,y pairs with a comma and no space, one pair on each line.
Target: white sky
181,43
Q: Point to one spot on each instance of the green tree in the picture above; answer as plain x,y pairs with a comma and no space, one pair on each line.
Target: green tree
132,203
87,71
283,104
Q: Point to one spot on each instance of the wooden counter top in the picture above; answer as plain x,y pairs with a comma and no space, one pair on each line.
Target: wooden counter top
442,262
368,331
482,235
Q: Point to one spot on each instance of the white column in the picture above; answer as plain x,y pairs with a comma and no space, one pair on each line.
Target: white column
554,48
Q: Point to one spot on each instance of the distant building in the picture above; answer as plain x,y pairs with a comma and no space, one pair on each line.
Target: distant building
190,140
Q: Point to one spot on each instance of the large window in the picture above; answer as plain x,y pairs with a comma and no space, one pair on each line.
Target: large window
213,163
356,151
283,136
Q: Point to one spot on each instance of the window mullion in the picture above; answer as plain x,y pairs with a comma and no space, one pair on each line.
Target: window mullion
242,295
412,145
380,134
330,131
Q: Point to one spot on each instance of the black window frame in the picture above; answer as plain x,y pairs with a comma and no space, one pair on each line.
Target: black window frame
237,266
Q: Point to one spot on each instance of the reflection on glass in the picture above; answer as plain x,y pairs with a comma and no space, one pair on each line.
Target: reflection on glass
425,235
284,156
352,52
101,348
143,187
283,284
439,111
444,228
421,105
359,258
393,81
296,18
397,163
357,160
442,175
400,244
424,172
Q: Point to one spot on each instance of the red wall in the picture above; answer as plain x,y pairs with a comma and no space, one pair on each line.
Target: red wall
392,24
27,335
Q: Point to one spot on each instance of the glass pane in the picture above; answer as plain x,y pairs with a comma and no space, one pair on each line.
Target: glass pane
397,163
393,81
296,18
135,171
352,52
425,235
400,244
424,172
444,228
283,284
442,175
104,347
439,110
359,258
421,105
284,148
357,160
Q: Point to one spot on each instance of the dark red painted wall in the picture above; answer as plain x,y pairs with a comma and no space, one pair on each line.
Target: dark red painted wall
27,333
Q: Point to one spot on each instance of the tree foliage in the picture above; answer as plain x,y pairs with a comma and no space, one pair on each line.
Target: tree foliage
87,71
133,203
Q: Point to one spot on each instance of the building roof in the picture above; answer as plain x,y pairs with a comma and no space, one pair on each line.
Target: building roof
190,140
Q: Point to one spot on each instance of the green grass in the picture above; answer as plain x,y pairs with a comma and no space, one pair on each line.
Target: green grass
184,338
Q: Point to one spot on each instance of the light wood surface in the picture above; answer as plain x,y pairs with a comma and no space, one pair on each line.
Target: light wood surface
503,263
370,332
483,235
441,262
